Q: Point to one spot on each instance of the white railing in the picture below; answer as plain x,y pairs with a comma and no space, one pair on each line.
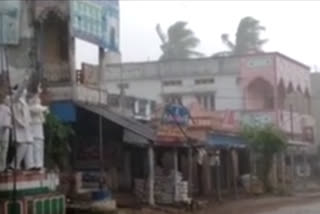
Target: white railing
91,95
56,73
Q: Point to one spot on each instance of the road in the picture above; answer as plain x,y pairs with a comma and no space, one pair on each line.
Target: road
309,208
269,205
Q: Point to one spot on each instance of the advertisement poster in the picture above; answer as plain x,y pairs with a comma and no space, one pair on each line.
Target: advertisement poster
10,14
96,21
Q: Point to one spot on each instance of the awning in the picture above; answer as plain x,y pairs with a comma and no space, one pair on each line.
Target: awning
225,141
127,123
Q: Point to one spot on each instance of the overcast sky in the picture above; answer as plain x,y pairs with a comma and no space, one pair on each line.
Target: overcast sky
292,27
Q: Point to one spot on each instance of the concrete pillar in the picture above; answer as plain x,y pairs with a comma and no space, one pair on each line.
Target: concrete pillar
283,171
305,169
234,165
274,173
292,167
190,171
175,169
206,175
151,175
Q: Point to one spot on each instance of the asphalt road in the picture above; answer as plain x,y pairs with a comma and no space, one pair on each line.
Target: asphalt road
309,208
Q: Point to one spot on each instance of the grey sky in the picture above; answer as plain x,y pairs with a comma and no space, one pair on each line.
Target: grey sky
292,26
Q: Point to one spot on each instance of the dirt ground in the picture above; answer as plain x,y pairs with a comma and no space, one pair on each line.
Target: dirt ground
263,205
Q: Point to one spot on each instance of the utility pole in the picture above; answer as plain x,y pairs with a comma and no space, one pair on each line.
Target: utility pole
5,71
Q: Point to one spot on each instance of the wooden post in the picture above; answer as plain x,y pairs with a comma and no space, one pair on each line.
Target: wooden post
190,171
151,175
175,169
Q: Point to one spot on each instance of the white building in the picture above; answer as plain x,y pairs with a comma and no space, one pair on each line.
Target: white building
210,81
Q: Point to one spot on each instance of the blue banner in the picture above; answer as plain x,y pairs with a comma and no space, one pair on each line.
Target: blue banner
176,114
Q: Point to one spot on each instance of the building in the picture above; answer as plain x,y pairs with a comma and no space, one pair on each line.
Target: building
40,44
259,88
315,84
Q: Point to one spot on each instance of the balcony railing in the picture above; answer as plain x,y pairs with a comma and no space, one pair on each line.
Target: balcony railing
91,95
56,73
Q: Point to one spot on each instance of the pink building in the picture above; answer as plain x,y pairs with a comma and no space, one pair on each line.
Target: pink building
276,89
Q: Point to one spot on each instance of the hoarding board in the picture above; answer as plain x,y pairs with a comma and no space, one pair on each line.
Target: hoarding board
176,114
256,119
96,21
10,15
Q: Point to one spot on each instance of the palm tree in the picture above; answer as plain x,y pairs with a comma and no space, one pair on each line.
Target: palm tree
179,43
247,37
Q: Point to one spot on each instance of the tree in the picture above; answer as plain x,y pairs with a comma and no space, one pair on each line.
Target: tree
247,37
179,43
57,136
266,141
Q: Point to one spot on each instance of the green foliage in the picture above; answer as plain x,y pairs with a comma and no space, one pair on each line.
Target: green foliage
265,141
57,149
179,43
247,37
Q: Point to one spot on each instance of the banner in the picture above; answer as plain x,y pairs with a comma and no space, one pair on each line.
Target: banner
10,12
96,21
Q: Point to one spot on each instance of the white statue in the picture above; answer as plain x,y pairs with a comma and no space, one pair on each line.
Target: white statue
5,126
23,134
38,112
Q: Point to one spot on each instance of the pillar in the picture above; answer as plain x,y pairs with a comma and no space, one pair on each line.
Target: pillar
283,171
190,171
234,165
305,169
127,170
151,175
292,167
175,169
218,174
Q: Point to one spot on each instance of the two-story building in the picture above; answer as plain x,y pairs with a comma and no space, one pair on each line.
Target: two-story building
259,88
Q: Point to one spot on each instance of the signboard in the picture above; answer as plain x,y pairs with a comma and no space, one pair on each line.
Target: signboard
170,133
256,119
10,11
96,21
176,114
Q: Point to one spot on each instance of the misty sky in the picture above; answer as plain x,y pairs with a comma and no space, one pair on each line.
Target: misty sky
292,27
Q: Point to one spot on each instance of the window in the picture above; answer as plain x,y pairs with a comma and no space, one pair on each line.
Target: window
173,99
123,85
172,83
142,107
204,81
207,101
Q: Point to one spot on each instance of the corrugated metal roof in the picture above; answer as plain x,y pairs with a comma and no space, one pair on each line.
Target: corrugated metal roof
128,123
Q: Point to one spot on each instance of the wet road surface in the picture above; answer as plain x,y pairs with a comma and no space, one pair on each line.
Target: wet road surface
309,208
